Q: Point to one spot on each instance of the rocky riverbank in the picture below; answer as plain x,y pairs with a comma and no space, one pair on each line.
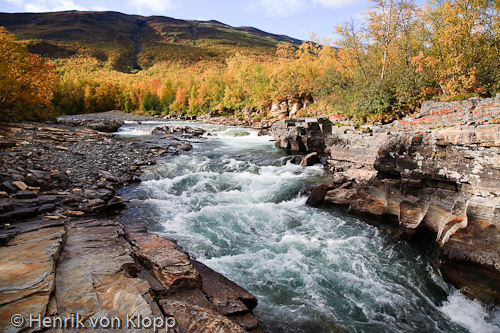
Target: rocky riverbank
436,173
62,251
104,121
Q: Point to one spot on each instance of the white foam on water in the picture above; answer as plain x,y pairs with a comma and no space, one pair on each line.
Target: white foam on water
155,122
144,128
311,269
471,314
235,132
243,138
127,131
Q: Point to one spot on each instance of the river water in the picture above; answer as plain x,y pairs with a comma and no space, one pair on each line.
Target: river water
234,203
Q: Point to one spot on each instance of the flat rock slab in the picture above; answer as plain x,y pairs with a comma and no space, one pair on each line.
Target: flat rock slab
226,296
199,291
7,233
192,318
27,273
92,275
171,267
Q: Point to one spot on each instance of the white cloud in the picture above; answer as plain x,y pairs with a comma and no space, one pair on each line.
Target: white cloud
154,5
334,3
287,7
35,8
278,7
18,3
67,5
52,6
99,8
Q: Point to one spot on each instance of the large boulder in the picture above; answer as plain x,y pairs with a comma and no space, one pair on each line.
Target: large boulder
301,135
170,266
310,159
178,130
279,110
317,196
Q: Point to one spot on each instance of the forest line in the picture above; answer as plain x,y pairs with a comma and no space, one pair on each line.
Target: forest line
379,69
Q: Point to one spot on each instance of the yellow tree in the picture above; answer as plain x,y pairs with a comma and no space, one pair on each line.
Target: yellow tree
459,41
311,64
351,52
193,100
395,36
181,100
26,81
211,90
235,78
386,20
312,50
285,77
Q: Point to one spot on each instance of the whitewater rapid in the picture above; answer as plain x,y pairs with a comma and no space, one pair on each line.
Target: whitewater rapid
234,203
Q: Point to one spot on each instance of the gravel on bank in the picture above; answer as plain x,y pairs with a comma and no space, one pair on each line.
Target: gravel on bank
105,121
57,170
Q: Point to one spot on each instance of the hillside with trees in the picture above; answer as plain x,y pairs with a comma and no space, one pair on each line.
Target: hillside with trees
378,69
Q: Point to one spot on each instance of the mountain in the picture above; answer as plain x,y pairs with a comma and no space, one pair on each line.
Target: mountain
133,41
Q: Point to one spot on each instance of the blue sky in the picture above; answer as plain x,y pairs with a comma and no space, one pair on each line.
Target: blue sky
295,18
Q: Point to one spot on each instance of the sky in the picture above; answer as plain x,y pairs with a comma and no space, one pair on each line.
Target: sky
294,18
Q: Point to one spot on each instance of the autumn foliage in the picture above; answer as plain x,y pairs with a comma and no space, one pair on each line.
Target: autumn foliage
27,82
381,68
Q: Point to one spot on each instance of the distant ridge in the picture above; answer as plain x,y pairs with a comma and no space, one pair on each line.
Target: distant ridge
282,38
136,40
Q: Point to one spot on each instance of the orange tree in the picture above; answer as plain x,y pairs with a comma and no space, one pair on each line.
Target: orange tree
26,81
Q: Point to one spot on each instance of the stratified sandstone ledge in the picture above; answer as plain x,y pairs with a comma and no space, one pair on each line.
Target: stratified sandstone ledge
99,268
437,171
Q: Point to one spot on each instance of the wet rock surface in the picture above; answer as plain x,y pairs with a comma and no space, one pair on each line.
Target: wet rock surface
193,318
170,266
223,120
191,131
27,272
228,298
93,273
438,171
63,253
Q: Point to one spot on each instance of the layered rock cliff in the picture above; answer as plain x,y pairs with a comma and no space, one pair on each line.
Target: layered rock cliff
438,172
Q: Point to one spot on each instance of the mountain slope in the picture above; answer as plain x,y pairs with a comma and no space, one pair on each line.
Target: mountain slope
133,41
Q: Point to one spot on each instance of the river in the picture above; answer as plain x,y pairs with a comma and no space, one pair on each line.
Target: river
234,204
